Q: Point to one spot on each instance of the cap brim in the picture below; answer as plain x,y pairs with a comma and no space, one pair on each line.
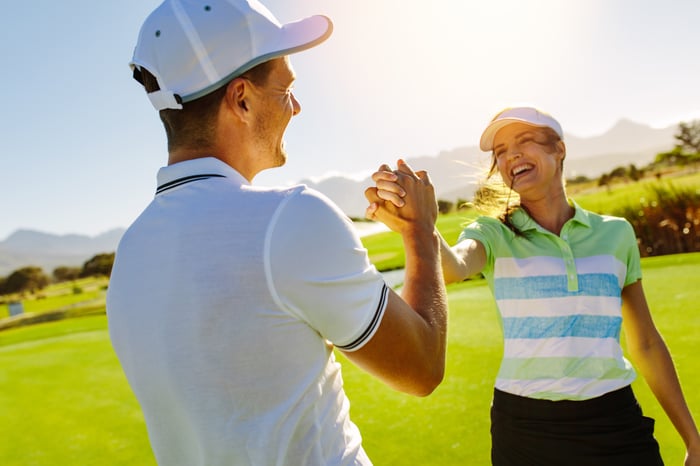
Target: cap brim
486,142
294,37
304,34
487,137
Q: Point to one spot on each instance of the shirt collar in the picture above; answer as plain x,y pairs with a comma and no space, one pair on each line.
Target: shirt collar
197,168
523,222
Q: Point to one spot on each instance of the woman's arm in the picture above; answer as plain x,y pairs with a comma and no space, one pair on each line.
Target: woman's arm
465,259
460,262
651,356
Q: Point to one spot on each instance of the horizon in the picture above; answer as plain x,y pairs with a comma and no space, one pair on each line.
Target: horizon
82,145
357,177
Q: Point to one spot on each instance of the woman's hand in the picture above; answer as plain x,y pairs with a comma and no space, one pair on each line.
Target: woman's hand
386,181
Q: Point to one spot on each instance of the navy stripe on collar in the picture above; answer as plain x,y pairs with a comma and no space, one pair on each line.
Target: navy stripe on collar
185,180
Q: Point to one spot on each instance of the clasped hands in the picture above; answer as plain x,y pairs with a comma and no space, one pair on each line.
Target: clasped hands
402,199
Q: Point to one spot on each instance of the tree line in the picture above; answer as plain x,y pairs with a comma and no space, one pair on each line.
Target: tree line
32,278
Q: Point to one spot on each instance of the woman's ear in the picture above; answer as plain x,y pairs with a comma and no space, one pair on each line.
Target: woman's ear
561,149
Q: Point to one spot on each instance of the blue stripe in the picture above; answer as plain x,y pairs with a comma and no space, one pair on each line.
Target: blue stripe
585,326
555,286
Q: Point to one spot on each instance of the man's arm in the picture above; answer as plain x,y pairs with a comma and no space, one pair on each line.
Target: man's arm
408,349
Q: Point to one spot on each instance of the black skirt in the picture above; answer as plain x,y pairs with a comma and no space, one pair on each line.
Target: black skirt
606,431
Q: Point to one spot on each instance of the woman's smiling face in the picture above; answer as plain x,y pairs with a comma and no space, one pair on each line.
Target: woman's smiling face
528,157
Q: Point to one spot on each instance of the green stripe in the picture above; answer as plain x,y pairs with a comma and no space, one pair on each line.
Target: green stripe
556,368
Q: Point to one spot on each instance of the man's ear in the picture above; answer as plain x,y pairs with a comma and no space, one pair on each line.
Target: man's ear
237,97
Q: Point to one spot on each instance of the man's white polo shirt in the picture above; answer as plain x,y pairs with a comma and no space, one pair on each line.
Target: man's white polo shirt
222,304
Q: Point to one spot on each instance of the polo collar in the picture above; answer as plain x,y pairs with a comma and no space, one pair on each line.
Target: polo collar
523,222
189,171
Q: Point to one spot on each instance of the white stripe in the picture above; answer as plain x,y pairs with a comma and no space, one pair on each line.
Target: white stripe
567,388
601,264
568,347
196,43
559,307
510,267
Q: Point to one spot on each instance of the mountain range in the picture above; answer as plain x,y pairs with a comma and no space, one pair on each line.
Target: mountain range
454,174
48,251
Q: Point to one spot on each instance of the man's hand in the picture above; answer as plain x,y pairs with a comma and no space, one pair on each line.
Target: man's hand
402,199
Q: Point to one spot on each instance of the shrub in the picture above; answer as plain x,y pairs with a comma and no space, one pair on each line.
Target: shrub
666,223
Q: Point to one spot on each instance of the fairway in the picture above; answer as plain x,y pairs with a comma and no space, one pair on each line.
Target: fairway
65,400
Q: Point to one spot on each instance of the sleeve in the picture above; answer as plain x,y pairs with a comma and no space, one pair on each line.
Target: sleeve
319,271
484,231
634,268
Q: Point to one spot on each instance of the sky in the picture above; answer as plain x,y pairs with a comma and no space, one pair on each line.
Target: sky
80,144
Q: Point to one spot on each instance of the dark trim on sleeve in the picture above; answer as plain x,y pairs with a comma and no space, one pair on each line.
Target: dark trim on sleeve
372,325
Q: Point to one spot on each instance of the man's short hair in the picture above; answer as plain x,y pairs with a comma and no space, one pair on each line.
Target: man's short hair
195,124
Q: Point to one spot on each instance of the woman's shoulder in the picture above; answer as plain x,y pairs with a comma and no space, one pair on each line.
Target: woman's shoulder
484,228
614,221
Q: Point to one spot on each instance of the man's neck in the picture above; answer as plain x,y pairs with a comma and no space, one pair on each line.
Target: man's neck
239,162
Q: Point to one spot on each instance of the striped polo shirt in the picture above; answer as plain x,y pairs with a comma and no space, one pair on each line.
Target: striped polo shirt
559,302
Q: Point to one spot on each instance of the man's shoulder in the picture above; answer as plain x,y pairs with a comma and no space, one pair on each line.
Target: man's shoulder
307,213
283,192
304,199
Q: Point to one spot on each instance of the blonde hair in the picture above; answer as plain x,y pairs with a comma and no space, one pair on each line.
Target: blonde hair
493,198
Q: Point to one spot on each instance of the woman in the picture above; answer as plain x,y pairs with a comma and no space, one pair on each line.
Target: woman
565,281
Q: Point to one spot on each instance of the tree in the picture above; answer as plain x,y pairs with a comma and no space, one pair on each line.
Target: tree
99,265
579,179
672,157
634,173
618,172
688,137
65,274
444,207
25,279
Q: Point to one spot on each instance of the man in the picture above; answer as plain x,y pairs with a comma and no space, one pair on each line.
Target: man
226,300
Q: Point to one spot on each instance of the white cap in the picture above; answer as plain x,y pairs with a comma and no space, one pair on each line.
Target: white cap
194,47
529,115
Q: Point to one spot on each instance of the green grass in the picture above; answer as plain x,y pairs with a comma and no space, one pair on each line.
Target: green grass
607,201
451,426
60,296
671,285
65,400
386,249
